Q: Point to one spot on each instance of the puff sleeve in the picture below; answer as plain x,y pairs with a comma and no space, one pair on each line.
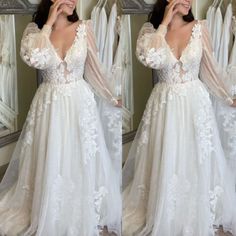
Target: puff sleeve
36,48
211,74
151,47
94,72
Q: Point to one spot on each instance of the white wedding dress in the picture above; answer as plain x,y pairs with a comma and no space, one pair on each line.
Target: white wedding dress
176,182
60,181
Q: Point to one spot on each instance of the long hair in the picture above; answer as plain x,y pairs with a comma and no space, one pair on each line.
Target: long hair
157,15
41,15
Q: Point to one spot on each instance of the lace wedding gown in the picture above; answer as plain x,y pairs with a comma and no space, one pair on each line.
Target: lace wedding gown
60,181
176,182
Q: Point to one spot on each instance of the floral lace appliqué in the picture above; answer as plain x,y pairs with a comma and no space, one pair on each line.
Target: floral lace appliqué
204,130
98,198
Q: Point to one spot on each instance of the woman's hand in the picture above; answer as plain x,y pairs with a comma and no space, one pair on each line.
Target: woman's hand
170,11
119,104
55,11
234,104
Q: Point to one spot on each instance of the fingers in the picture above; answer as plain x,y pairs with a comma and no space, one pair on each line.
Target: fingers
173,3
175,11
171,6
181,1
58,3
59,11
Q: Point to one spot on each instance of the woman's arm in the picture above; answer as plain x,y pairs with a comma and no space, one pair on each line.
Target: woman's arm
151,46
36,47
94,73
210,71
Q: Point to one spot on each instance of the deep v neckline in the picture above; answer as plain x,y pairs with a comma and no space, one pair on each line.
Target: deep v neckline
186,47
67,51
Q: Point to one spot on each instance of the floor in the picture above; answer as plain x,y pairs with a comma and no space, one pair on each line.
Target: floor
224,234
108,234
219,233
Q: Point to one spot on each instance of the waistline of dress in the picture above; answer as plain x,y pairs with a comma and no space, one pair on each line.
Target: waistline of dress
55,82
179,83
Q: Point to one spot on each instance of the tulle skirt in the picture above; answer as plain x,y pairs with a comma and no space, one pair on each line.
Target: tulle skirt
176,181
226,120
60,181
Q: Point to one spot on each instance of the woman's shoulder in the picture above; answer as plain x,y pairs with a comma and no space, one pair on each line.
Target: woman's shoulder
31,27
199,25
147,27
204,26
88,23
202,22
196,23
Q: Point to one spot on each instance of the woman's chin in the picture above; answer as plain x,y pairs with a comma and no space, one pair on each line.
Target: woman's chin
183,13
67,12
186,13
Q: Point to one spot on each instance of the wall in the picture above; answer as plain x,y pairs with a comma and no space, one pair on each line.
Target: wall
200,8
142,76
26,76
85,8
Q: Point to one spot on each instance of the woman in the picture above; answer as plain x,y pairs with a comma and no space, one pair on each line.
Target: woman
60,181
175,180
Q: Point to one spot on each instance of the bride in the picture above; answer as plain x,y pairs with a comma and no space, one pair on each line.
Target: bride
176,182
60,181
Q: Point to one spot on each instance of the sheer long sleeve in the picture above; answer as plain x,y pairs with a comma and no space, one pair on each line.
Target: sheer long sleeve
94,72
151,46
36,48
210,72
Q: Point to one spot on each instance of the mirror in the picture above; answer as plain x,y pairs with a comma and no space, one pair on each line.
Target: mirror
18,6
136,6
8,81
137,13
142,76
17,80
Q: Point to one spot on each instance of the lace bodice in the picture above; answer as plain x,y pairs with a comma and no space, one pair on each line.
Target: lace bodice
80,62
71,68
196,60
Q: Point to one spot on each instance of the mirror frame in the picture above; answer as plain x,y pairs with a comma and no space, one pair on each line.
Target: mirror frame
135,7
15,7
